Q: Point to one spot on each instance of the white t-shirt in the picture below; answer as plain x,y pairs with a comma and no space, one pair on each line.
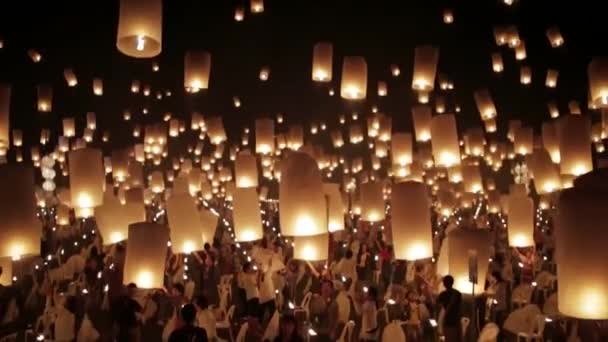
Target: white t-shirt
368,319
250,284
267,288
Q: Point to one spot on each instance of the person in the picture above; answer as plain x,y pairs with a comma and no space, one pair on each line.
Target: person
188,332
369,323
127,311
205,318
250,282
288,331
324,311
363,262
450,302
497,292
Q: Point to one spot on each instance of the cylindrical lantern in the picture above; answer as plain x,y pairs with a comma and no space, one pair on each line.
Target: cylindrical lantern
471,177
425,68
597,72
484,103
146,254
445,146
322,61
411,221
335,219
239,13
448,16
302,209
580,245
70,77
546,175
264,136
20,229
184,224
98,86
497,64
520,51
523,140
45,98
555,36
215,129
311,247
6,278
197,68
5,104
246,215
353,85
521,221
553,110
69,127
120,165
372,202
421,114
551,80
382,88
525,75
257,6
401,148
465,247
573,132
140,28
246,170
87,177
113,218
157,182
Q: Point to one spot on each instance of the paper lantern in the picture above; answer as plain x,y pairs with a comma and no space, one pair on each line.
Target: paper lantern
239,13
34,55
471,177
246,170
215,129
551,80
395,71
20,229
303,208
411,221
264,74
157,182
120,165
512,36
87,177
573,132
140,28
257,6
311,247
381,149
445,140
184,224
555,36
484,103
521,221
98,86
335,210
322,62
69,127
597,72
425,68
520,51
197,68
463,247
401,148
382,88
18,138
523,140
6,278
246,215
113,218
497,64
440,104
448,16
5,103
474,142
264,136
553,110
337,139
581,235
353,85
421,115
574,107
45,98
372,202
546,175
70,77
146,253
500,35
525,75
136,175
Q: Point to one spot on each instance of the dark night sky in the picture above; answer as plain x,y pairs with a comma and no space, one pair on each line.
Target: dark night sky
81,34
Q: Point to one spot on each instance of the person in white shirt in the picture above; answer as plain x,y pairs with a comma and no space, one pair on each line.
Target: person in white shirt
369,323
250,281
205,318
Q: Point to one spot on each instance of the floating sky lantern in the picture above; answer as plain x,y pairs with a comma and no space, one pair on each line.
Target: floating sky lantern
246,215
146,252
445,140
197,68
140,28
87,177
322,62
353,85
425,68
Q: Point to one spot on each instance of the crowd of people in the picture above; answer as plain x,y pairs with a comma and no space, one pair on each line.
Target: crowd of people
258,292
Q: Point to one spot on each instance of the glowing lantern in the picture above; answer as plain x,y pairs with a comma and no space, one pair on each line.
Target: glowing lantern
335,208
157,182
34,55
303,208
264,74
184,224
98,86
490,125
471,177
525,75
45,98
246,215
120,165
497,64
215,129
520,51
113,218
546,176
5,104
197,67
523,140
580,248
425,68
597,72
311,247
337,139
19,228
411,223
574,107
463,248
512,36
521,221
382,88
140,28
484,103
246,170
448,16
91,121
445,140
421,115
87,177
239,13
354,78
401,148
474,141
500,35
69,127
70,77
146,253
573,132
257,6
372,202
322,62
553,110
551,80
264,136
17,138
440,104
555,36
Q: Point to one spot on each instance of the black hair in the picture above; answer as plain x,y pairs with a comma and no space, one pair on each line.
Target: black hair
180,288
188,313
202,302
448,281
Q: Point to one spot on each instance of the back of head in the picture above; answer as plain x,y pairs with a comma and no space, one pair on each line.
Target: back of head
202,302
448,282
188,313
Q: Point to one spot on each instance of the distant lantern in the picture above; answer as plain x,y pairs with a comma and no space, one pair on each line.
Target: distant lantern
322,62
551,80
45,98
246,170
120,164
382,88
311,247
512,36
395,71
98,86
521,221
146,253
337,139
91,121
523,140
466,249
580,248
440,104
553,110
484,103
70,77
514,125
555,36
264,136
497,64
246,215
215,129
34,55
574,107
372,202
197,68
500,35
140,28
546,175
335,220
17,138
135,86
5,105
236,102
425,68
264,74
421,115
490,125
525,75
573,132
411,223
157,182
474,141
471,177
69,127
20,229
520,51
401,148
445,146
448,16
257,6
303,208
353,85
355,134
239,13
184,224
173,127
87,177
597,72
113,218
